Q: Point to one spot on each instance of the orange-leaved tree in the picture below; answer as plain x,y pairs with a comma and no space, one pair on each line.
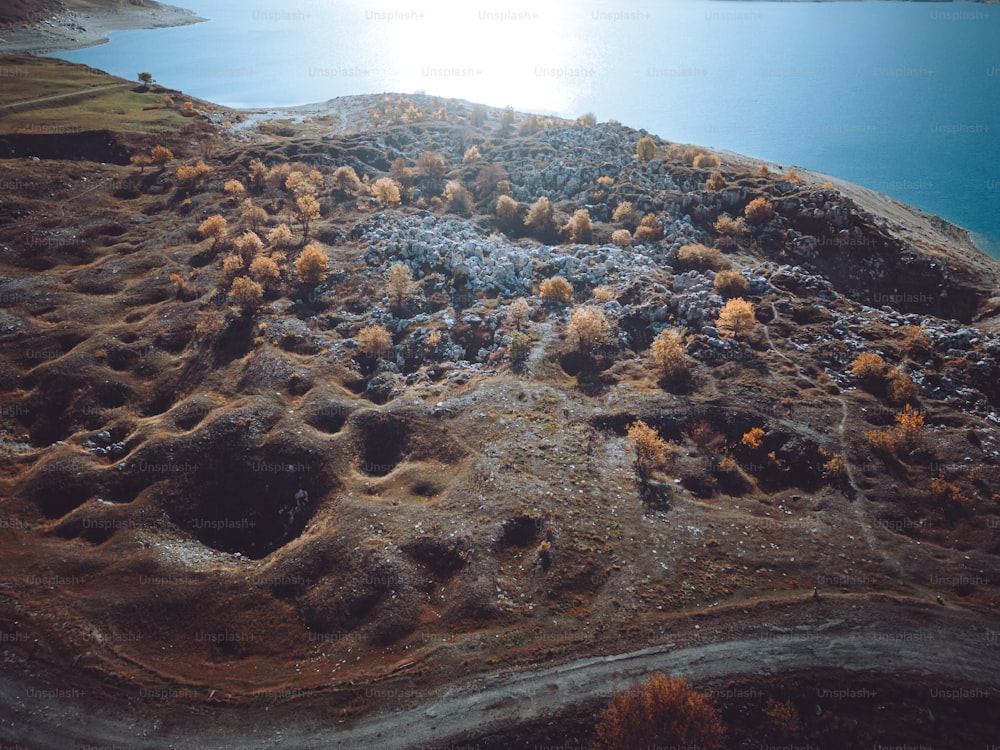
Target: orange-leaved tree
662,712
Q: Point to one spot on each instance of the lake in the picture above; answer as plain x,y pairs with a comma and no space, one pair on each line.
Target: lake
902,97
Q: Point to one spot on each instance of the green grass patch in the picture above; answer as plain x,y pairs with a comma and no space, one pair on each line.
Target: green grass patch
27,77
119,109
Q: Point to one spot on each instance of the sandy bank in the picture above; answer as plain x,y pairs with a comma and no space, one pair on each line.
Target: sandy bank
78,29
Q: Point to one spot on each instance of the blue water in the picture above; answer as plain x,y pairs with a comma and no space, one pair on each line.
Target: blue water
902,97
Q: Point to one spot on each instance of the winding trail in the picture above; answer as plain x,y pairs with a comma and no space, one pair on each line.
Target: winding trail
856,493
473,707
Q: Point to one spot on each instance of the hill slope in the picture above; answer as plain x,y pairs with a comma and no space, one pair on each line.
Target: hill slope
221,503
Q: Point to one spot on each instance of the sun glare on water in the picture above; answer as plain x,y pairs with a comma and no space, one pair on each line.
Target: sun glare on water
498,54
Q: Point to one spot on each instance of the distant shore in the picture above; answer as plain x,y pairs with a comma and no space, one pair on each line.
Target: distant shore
70,30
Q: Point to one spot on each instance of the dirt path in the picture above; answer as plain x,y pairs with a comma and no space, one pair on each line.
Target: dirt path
469,708
67,95
856,494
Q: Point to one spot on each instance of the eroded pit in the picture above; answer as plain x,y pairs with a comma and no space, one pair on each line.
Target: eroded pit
383,442
248,502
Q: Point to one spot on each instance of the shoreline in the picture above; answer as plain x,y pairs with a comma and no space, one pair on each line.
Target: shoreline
73,30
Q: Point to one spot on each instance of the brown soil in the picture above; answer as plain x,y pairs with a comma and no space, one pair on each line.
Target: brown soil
214,507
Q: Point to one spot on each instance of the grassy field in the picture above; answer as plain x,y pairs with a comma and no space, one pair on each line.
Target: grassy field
43,95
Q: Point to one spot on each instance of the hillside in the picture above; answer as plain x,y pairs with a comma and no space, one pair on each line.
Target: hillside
408,459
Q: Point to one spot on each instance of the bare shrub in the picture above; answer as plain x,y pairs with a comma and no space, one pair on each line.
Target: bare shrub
727,226
519,313
701,257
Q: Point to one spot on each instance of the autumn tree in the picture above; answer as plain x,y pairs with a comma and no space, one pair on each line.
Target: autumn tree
386,191
253,216
346,182
265,272
458,198
160,155
662,712
588,328
519,312
759,211
190,175
727,226
518,350
506,212
903,436
900,388
580,228
247,294
248,245
652,454
621,238
214,226
432,168
783,717
280,236
374,340
307,211
716,181
234,189
557,290
645,149
868,365
489,181
649,229
753,438
705,161
400,285
540,220
671,360
625,211
731,283
300,183
258,175
737,319
312,264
